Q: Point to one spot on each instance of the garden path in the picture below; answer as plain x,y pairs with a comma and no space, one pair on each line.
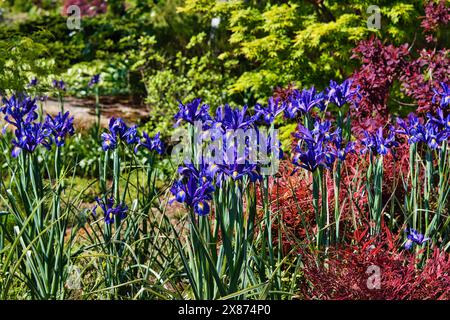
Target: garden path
84,110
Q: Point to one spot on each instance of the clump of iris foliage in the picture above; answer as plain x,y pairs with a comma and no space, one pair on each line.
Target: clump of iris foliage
42,218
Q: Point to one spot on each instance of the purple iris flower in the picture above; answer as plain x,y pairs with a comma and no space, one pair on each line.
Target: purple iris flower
19,110
201,208
444,95
29,136
340,94
414,237
194,193
309,99
377,144
433,136
330,156
433,133
304,101
109,141
219,118
119,131
310,157
111,212
178,191
412,128
60,127
59,85
317,147
203,172
290,106
234,119
94,80
192,112
307,135
441,121
152,144
117,127
273,109
238,170
323,129
33,82
341,152
227,118
130,135
368,143
237,164
384,144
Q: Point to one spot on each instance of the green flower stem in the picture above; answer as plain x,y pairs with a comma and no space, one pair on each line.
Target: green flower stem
116,176
316,194
414,177
374,188
337,188
444,177
428,185
97,108
61,101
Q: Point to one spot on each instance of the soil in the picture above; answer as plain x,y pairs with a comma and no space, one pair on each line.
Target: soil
83,110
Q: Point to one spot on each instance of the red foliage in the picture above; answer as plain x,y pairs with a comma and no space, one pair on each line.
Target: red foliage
291,198
89,8
416,80
381,66
436,15
291,195
345,273
283,94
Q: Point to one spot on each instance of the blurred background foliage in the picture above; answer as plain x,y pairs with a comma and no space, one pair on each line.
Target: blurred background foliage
160,51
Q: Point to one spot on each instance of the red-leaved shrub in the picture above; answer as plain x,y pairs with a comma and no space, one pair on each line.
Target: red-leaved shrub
348,273
436,14
381,66
416,81
88,8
